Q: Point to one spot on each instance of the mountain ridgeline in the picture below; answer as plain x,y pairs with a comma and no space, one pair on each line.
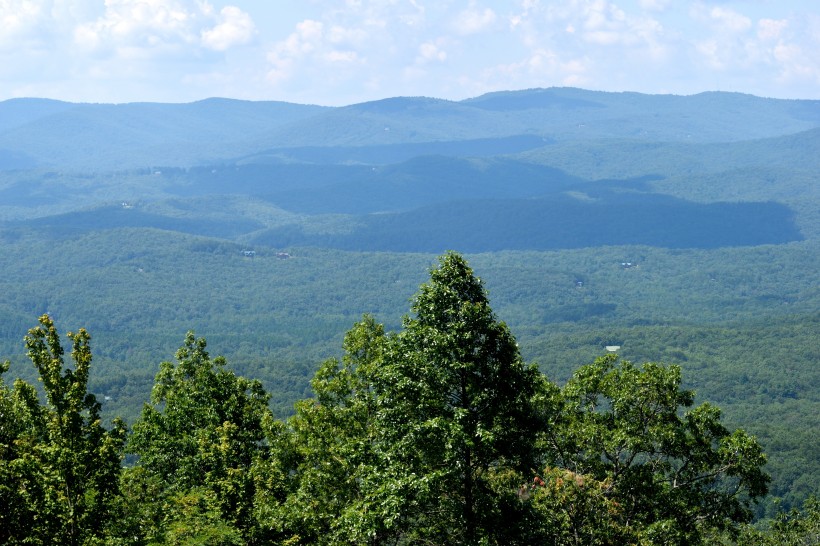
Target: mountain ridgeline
472,164
685,229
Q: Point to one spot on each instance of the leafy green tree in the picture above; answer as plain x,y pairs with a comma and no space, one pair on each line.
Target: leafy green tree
671,476
423,436
332,450
576,510
140,510
21,490
457,416
194,518
797,527
60,466
203,432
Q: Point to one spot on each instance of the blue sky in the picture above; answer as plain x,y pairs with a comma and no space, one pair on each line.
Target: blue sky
347,51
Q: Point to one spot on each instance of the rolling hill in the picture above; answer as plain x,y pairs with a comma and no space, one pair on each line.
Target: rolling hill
686,228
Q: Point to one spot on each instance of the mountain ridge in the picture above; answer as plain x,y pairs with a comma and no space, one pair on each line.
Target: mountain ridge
87,135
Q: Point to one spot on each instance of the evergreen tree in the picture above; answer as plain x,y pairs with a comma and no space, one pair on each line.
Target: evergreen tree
423,436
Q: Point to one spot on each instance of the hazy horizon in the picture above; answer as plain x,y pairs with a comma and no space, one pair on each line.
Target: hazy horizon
333,53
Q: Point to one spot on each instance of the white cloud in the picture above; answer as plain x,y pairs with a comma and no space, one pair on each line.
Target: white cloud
722,19
128,24
722,41
315,48
655,5
235,28
304,40
765,55
22,23
710,53
787,54
307,38
542,65
771,29
795,65
338,34
731,20
139,49
19,15
598,23
342,51
341,56
598,43
473,20
431,52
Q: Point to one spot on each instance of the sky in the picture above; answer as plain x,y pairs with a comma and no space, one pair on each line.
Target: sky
348,51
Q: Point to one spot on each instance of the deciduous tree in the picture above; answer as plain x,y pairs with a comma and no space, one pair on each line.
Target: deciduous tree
333,448
60,466
203,431
671,474
457,414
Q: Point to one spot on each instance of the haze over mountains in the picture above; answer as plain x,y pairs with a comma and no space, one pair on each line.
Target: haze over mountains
53,133
568,154
684,228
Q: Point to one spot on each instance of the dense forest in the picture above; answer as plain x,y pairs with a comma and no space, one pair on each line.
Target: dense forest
439,433
682,229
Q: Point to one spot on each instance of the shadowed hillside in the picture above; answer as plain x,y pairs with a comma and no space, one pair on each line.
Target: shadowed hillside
681,228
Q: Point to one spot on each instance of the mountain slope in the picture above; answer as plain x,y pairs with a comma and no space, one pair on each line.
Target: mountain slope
560,221
57,134
142,134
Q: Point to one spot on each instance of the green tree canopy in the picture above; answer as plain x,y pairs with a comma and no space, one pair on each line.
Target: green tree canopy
457,409
59,466
203,431
332,449
436,434
670,475
421,436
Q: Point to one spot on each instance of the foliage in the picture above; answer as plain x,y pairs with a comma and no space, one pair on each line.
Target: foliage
797,527
60,467
200,437
740,322
414,436
456,407
332,450
427,435
698,171
670,475
195,518
578,510
20,484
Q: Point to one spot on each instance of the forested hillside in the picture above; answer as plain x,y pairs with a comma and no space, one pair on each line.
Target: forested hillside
683,229
438,433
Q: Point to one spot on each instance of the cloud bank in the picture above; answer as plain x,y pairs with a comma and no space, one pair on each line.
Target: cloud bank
334,52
